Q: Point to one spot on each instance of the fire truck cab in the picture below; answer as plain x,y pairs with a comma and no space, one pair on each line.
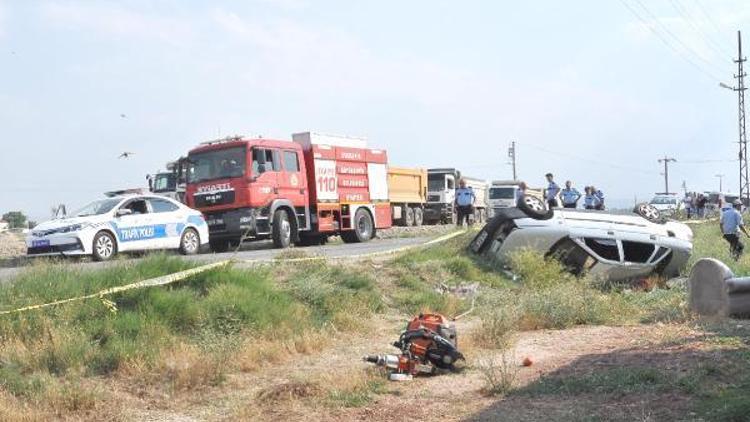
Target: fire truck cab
292,192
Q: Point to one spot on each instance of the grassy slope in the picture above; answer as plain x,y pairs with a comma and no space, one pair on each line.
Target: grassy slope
190,335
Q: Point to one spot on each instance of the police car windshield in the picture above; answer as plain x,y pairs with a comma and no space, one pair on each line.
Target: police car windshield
97,207
217,164
502,193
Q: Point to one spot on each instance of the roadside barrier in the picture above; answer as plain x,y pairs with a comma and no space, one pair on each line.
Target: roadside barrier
715,291
182,275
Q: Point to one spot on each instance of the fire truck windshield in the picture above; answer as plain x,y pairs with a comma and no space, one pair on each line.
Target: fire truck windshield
216,164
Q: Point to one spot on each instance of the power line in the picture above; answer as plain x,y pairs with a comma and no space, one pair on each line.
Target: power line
677,39
711,21
682,10
669,45
598,162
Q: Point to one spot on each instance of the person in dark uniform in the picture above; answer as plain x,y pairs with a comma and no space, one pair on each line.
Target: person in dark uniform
464,203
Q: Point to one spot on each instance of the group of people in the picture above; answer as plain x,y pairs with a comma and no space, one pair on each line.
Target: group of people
695,204
568,197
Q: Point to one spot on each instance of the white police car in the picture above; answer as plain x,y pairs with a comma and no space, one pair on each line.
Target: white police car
121,223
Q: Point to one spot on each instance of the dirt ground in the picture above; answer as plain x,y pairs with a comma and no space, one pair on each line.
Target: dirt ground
555,353
12,245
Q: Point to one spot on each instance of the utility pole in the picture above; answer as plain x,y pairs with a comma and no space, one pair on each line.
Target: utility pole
721,177
512,156
740,76
666,160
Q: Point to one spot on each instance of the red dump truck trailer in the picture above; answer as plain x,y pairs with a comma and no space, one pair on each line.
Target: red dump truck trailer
299,191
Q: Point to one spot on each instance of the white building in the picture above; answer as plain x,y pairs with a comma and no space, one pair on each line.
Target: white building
3,226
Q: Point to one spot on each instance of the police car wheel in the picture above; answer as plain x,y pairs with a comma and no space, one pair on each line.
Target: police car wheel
648,211
189,242
104,246
281,232
534,207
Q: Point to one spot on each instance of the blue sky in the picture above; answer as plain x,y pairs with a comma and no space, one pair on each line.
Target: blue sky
586,89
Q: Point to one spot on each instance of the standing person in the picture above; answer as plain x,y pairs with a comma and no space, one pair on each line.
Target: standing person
590,201
599,198
521,192
688,204
570,195
731,223
552,191
700,205
464,203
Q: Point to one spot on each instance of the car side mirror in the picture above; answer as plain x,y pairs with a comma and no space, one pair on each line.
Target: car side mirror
124,211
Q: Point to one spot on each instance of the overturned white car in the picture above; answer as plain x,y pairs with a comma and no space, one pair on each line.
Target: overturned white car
616,246
121,223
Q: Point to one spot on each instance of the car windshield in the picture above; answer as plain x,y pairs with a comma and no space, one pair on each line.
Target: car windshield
216,164
663,201
502,193
97,207
436,183
165,182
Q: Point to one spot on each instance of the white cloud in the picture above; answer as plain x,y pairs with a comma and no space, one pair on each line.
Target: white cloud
103,19
291,56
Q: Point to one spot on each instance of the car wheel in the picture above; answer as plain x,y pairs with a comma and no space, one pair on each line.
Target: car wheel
104,246
408,216
648,211
190,242
281,232
362,230
534,207
418,216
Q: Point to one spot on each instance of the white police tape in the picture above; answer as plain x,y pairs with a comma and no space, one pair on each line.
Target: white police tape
157,281
182,275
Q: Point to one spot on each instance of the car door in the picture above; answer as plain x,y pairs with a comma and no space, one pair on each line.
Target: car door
292,183
169,221
135,230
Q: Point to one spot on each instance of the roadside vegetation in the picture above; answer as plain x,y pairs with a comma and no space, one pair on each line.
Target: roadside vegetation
190,337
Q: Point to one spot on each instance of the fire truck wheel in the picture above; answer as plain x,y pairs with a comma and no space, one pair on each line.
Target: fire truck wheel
418,216
219,246
409,217
363,228
281,232
104,246
190,242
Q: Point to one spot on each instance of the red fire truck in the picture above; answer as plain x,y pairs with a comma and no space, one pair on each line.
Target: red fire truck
292,192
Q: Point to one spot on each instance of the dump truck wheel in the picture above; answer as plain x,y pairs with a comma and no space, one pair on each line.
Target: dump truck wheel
418,216
408,217
281,232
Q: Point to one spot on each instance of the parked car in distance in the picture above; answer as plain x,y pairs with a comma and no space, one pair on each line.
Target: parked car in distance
121,223
615,246
667,204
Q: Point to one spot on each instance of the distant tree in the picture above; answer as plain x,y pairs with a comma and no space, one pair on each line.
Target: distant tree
15,219
32,224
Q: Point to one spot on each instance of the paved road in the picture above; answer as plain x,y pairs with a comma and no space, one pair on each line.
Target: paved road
259,251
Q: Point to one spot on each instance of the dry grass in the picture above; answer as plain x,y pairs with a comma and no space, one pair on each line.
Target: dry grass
499,373
256,353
